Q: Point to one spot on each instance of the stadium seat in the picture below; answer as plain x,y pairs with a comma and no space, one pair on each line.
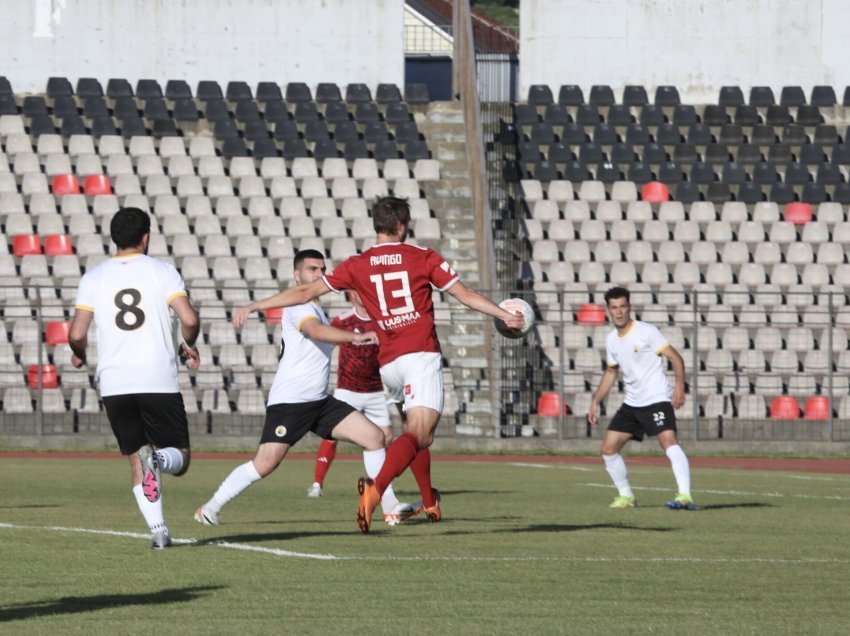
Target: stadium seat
655,192
65,184
784,407
798,213
49,377
816,408
591,315
57,332
25,244
57,244
550,404
97,184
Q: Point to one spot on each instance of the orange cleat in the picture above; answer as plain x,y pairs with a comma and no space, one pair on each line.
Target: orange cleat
369,500
433,513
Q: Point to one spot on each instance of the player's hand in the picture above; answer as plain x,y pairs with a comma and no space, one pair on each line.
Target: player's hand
241,315
592,415
678,399
77,362
190,356
515,320
369,337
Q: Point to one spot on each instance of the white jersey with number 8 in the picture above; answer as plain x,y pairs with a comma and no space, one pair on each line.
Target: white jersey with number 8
130,298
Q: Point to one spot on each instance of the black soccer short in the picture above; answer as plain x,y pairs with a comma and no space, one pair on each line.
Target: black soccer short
288,423
137,419
644,420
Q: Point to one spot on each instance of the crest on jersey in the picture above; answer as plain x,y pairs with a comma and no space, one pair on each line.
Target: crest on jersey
280,431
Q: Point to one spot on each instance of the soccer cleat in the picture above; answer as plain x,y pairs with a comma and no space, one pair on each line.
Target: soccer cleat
433,513
206,517
624,502
315,490
160,540
400,512
369,500
151,478
682,502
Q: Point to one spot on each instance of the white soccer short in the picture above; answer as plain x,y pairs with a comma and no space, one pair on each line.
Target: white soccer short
372,405
416,379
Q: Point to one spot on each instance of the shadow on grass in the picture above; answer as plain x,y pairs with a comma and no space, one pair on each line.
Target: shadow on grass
79,604
29,506
559,527
256,537
749,504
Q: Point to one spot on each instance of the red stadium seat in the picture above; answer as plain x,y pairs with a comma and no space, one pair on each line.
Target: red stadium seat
65,184
26,244
272,315
550,405
97,184
49,378
57,244
798,213
57,332
592,315
655,192
784,407
817,408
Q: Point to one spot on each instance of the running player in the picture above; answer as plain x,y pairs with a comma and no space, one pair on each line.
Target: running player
359,384
129,297
298,399
640,350
395,282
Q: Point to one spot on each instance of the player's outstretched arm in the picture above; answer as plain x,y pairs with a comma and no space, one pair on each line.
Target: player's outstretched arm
605,384
472,299
78,337
287,298
315,330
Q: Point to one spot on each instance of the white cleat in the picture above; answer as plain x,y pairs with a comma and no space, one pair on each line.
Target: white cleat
160,540
315,490
206,517
401,512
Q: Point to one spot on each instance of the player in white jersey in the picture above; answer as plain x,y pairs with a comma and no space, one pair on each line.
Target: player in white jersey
640,351
130,298
298,401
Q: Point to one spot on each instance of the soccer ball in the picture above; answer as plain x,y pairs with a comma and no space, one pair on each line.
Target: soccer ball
514,305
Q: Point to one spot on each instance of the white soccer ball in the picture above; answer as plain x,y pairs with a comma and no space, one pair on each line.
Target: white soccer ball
514,305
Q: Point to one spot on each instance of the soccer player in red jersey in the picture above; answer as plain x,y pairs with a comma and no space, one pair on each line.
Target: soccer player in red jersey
358,382
395,281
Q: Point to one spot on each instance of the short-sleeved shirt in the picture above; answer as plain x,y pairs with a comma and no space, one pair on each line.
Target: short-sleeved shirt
395,281
129,297
638,354
358,368
305,365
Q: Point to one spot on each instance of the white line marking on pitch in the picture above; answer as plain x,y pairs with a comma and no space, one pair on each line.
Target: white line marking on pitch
733,492
582,469
331,557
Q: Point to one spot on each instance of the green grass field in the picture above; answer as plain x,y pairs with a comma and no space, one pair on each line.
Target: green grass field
523,549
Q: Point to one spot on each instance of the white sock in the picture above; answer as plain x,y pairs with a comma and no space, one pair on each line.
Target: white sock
616,467
151,511
681,468
237,481
169,460
373,461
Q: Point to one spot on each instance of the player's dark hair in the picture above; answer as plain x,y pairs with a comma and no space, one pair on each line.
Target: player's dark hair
302,255
128,227
617,292
388,212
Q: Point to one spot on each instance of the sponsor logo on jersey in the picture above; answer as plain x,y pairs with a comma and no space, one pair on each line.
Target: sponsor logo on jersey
447,269
385,259
395,321
408,391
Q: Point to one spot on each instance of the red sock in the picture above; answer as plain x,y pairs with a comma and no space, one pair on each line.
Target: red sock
399,455
326,454
421,469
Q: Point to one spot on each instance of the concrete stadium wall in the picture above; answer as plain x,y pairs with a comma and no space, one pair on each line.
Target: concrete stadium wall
696,45
339,41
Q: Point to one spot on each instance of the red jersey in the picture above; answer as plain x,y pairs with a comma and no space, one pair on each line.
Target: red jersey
358,368
394,281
